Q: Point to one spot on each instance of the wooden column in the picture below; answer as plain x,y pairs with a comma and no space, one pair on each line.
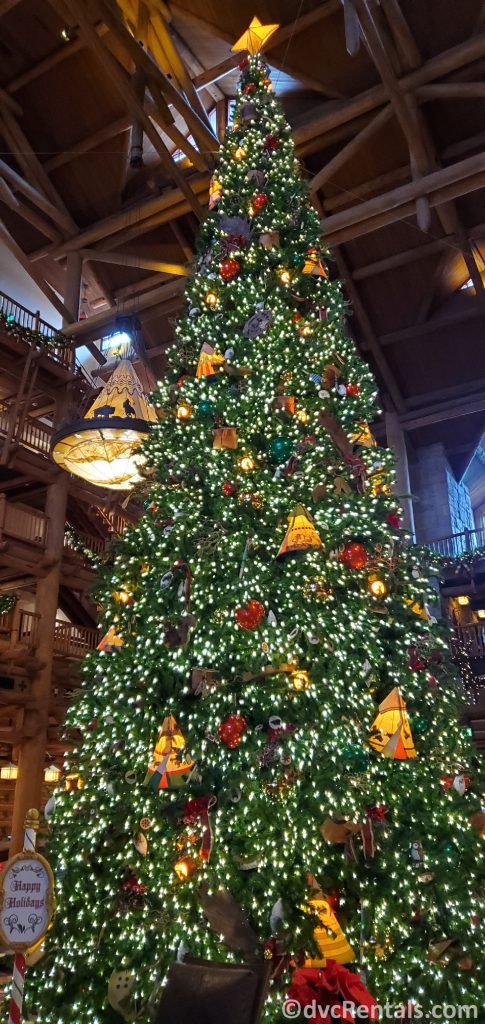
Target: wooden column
32,751
402,487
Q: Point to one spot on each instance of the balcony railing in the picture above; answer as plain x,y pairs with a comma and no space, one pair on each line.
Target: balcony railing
96,545
458,544
27,321
70,640
20,522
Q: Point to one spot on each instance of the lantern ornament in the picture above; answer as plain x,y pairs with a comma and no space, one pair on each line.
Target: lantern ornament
168,768
377,586
301,534
102,446
185,868
390,732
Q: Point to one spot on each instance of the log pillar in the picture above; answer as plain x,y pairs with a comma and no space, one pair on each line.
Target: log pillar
31,762
32,750
402,487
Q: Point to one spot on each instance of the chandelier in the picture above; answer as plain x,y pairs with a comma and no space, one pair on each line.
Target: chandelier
102,447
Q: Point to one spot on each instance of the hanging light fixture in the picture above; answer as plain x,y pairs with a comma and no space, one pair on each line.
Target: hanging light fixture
52,773
9,771
102,447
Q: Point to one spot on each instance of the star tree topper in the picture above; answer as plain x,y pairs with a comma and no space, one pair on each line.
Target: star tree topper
255,37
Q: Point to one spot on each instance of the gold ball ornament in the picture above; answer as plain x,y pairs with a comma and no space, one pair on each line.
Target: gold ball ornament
239,153
184,411
248,463
376,586
300,680
212,299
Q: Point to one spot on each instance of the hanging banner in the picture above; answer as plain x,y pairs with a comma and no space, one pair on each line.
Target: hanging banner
26,900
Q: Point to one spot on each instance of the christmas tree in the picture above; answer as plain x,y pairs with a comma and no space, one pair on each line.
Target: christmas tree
271,762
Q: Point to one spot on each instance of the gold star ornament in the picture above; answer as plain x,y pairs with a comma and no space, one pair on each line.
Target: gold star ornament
255,37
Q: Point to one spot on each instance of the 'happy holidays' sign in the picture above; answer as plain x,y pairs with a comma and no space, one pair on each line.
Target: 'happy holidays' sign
26,900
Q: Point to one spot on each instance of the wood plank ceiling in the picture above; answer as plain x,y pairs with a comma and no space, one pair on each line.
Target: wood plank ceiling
96,96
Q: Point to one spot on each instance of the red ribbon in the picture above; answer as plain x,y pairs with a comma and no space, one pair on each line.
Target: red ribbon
195,811
377,813
328,989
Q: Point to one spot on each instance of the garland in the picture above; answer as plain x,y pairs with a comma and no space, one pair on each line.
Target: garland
7,603
12,327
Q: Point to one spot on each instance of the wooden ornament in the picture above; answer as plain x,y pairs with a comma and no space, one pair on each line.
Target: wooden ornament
225,437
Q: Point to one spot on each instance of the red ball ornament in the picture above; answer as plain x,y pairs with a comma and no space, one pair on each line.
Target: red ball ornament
228,488
393,519
353,556
353,390
249,89
296,317
250,615
231,731
260,200
244,63
228,269
271,143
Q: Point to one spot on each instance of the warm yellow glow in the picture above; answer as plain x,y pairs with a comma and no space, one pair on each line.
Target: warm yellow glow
184,412
102,447
74,781
52,773
302,416
239,153
122,597
212,299
300,679
284,275
9,771
377,586
255,36
463,599
247,463
185,868
481,613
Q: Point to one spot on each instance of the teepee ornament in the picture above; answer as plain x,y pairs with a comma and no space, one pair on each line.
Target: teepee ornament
168,768
391,732
210,362
301,534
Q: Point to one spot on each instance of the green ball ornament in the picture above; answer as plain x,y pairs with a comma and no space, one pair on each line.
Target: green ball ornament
298,261
206,409
420,725
280,449
356,758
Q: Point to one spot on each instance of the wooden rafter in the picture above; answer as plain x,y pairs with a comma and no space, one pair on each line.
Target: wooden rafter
125,90
129,259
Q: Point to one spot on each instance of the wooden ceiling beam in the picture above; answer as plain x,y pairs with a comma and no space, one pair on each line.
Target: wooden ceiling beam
35,196
404,41
451,90
32,271
437,67
167,205
367,329
431,326
116,76
58,56
164,292
282,35
87,144
348,152
401,259
130,259
442,412
404,107
177,65
203,134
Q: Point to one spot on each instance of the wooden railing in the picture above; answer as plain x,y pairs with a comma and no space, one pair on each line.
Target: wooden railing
70,640
34,435
458,544
74,641
28,321
23,523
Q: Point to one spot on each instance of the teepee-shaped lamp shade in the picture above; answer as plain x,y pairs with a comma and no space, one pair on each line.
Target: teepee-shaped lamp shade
102,447
301,534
